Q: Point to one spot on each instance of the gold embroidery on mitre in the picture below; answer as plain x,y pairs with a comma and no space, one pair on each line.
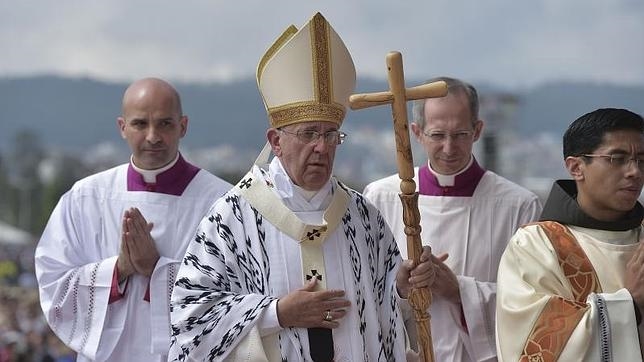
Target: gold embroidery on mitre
306,112
321,58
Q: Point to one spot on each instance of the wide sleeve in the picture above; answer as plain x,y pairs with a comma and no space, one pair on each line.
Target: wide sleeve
160,289
477,312
389,262
383,304
221,288
538,316
478,298
74,285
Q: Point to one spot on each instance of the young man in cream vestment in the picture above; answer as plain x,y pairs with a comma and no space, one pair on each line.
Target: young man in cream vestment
292,265
571,287
467,215
108,256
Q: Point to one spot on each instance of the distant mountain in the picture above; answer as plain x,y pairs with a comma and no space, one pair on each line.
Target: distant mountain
228,122
77,113
552,107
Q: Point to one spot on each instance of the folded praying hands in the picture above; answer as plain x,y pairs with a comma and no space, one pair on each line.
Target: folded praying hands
138,253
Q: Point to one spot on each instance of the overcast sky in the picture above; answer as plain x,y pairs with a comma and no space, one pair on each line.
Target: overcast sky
510,43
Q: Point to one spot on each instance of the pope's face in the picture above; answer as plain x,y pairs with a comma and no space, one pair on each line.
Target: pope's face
309,165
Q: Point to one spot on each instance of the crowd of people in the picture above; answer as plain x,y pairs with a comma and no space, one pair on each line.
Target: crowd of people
157,259
24,333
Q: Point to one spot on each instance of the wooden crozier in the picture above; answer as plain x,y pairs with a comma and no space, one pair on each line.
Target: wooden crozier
397,96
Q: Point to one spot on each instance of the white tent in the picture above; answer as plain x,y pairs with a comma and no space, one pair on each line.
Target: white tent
11,235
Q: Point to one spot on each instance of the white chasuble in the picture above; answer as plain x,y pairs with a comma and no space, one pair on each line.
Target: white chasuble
76,257
240,263
474,232
534,287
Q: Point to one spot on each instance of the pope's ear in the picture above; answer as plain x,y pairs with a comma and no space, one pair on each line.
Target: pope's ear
575,166
273,136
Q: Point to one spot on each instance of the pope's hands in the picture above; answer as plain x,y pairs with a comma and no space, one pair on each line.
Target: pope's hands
306,308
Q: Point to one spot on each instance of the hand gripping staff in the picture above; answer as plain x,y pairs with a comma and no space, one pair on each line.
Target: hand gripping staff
397,96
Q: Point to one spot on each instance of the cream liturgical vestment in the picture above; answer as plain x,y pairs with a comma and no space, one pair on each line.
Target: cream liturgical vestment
561,292
474,228
76,256
246,256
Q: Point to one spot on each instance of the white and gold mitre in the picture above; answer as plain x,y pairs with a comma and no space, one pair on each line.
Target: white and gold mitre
306,75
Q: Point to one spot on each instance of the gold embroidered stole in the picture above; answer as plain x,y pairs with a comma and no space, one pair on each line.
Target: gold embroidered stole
560,316
259,194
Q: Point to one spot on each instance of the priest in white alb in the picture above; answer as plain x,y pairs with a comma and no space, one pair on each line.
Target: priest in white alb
291,264
107,259
467,216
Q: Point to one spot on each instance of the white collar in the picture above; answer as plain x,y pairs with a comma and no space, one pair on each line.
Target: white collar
449,180
150,176
295,197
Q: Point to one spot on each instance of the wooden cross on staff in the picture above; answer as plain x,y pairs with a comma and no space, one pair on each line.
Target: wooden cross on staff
397,96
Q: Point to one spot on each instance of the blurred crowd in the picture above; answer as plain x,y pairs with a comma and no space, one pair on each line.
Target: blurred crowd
24,333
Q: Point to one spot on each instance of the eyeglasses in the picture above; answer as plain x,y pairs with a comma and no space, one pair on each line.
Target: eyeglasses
440,136
620,160
308,136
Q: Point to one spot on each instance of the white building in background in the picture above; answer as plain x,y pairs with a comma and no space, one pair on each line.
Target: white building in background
533,162
11,235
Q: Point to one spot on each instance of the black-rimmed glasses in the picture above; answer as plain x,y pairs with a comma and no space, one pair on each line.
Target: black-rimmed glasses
620,160
308,136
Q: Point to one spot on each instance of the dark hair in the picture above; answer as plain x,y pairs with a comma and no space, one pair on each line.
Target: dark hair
454,86
586,133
